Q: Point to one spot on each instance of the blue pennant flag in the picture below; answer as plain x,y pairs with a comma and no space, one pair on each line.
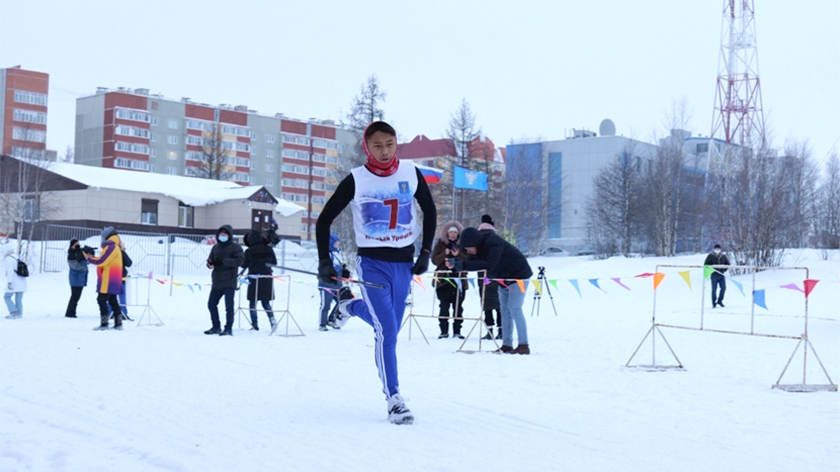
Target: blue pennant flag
738,284
471,179
574,283
595,283
758,296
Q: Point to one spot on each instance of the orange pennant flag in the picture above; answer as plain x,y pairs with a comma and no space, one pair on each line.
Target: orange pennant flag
521,284
657,279
419,281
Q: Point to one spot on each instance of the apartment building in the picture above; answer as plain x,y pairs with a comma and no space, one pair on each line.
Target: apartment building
137,130
23,112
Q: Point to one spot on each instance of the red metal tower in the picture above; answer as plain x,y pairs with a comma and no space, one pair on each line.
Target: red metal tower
738,117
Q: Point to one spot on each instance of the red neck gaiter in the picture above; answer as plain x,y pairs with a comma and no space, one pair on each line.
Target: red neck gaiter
382,169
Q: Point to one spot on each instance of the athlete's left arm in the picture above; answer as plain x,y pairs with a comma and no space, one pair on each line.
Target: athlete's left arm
424,197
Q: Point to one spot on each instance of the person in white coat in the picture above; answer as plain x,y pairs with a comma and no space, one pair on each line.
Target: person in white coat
15,284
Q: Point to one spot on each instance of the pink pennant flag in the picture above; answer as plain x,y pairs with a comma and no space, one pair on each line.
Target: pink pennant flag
501,282
486,280
792,287
646,274
618,281
809,286
150,275
160,281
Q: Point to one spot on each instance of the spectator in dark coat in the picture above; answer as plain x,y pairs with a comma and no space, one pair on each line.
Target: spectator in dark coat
258,260
503,262
225,259
715,258
78,276
450,292
491,290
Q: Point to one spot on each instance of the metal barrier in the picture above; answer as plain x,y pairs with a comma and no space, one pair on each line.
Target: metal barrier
161,253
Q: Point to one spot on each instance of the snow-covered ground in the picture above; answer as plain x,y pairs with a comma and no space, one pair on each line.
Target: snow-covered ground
170,398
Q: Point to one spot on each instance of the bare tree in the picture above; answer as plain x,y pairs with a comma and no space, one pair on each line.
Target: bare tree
801,177
215,156
616,207
366,106
462,131
827,210
526,198
24,199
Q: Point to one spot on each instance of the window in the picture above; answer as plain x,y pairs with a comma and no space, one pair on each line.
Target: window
132,147
172,139
33,135
152,168
319,171
269,182
319,200
270,138
124,163
702,147
244,147
125,130
269,167
185,216
171,171
22,96
154,121
133,115
31,208
154,137
148,212
29,116
173,124
269,153
154,153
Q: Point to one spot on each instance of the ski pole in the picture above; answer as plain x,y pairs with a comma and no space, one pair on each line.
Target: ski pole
340,279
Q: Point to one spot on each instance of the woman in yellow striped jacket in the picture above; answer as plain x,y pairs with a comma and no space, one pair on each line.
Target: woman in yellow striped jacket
109,272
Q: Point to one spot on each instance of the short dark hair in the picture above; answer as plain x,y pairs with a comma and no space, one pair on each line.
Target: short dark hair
717,246
380,126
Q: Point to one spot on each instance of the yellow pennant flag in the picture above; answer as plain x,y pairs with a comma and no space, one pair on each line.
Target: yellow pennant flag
686,277
657,279
537,286
177,284
521,284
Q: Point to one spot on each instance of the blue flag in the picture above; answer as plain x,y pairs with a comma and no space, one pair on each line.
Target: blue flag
465,178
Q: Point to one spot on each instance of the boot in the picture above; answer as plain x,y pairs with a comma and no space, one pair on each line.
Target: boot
101,327
118,327
521,349
272,322
505,349
489,335
213,330
499,334
226,332
457,335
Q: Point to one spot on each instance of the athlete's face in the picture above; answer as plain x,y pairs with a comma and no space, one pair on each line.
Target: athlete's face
382,146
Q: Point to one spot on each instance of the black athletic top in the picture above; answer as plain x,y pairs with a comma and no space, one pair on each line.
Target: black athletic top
342,197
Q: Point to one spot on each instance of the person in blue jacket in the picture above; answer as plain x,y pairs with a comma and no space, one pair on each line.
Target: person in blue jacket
329,291
78,276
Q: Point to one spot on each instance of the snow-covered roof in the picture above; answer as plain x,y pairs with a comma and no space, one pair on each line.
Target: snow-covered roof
190,190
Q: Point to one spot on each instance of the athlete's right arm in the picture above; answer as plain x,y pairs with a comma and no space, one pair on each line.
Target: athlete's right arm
339,200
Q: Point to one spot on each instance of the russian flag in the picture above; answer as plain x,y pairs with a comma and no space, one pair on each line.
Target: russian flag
432,175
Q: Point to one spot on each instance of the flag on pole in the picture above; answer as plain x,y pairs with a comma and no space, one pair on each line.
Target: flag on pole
809,286
431,175
657,279
471,179
707,272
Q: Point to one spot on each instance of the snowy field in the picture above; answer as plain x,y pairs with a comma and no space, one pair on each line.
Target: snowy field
169,398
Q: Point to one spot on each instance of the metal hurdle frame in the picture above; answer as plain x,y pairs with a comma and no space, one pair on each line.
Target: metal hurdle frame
478,321
147,308
279,314
802,339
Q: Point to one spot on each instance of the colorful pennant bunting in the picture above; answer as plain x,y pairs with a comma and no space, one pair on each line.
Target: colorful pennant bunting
618,281
574,283
595,283
686,275
657,279
758,298
809,286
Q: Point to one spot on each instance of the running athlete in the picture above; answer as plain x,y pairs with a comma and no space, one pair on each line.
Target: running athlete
381,194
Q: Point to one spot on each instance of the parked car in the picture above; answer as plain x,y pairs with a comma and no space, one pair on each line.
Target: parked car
554,251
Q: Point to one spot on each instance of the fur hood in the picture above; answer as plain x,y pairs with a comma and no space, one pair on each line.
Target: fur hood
444,230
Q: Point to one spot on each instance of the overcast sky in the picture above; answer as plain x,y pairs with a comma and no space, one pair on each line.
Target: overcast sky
529,69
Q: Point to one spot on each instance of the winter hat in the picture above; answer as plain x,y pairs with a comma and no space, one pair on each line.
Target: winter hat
717,246
73,241
333,240
487,219
107,232
452,228
470,238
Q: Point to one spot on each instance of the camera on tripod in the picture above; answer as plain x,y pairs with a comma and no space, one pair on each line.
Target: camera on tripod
542,271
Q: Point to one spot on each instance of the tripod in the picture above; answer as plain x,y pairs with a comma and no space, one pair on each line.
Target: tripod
538,297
